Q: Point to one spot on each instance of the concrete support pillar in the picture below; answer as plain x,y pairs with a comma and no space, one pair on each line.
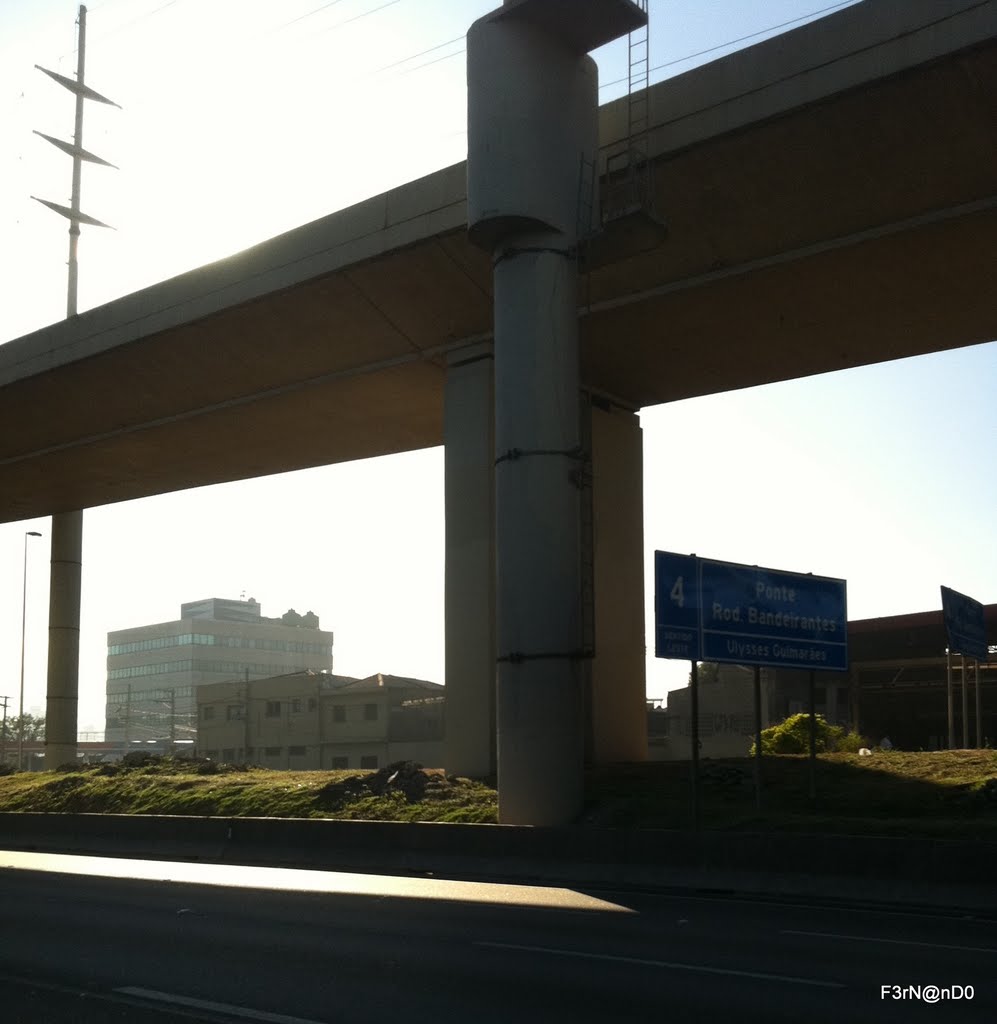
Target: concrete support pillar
64,639
469,469
532,152
538,502
618,695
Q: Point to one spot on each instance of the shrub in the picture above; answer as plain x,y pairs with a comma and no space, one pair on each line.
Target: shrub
139,759
792,736
850,743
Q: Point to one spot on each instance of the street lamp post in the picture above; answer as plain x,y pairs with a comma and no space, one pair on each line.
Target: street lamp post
24,617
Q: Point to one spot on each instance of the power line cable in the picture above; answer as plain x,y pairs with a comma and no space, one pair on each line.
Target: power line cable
606,85
430,63
659,67
366,14
339,24
302,17
421,53
404,60
137,21
740,39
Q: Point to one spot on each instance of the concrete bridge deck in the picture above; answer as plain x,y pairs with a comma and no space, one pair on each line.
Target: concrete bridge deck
830,198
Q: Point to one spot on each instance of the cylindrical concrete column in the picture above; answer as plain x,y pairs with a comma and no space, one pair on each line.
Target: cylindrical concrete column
64,639
532,146
537,503
469,470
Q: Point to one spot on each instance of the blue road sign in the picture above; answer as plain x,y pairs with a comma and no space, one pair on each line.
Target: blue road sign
741,614
676,607
964,624
754,616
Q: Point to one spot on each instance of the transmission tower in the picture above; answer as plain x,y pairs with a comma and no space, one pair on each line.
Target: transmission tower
75,149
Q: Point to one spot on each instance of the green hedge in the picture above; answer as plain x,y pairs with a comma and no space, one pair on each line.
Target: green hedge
792,736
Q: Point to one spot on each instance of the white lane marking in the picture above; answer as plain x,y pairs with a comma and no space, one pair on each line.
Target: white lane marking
892,942
309,880
762,899
700,968
207,1004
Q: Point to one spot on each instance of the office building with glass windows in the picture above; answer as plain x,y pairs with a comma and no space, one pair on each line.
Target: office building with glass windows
153,671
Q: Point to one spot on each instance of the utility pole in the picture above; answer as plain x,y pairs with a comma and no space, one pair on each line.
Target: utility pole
3,732
248,734
67,527
173,722
128,713
79,154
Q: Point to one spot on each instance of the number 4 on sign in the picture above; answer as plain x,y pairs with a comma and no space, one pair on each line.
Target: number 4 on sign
678,594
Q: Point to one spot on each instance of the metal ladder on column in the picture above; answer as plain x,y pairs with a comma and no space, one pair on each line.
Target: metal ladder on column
628,169
588,182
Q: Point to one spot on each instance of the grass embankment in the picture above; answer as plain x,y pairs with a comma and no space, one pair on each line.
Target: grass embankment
165,786
949,794
943,794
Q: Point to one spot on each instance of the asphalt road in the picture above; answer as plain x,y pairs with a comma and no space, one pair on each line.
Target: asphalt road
94,940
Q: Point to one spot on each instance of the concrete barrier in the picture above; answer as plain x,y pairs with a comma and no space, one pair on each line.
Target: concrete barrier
615,855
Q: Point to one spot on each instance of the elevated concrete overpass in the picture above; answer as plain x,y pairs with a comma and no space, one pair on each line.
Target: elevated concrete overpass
830,198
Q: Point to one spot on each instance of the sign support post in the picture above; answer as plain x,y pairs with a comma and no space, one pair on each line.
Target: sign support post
812,701
758,737
979,720
967,634
746,615
951,708
694,753
965,702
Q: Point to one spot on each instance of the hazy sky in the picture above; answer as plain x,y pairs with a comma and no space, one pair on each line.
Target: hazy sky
244,118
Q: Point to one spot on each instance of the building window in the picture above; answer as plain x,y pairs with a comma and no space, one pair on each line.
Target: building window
272,751
296,751
159,642
296,705
312,703
339,713
235,713
207,712
339,763
370,713
368,760
273,709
